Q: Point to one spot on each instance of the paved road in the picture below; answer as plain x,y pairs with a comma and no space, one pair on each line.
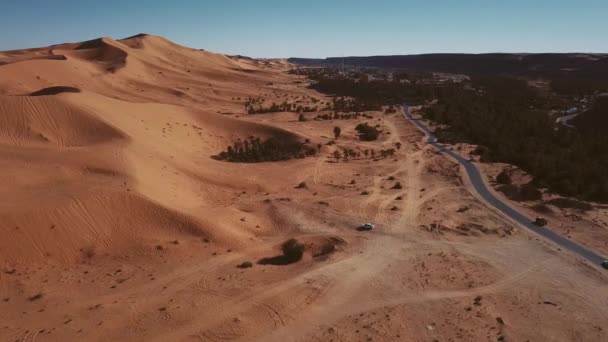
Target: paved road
564,119
480,187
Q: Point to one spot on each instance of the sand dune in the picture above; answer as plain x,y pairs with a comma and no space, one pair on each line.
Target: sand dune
101,153
41,120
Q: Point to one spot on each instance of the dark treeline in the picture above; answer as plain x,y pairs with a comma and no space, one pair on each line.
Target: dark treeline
351,154
358,94
255,106
509,120
578,86
347,116
254,150
533,66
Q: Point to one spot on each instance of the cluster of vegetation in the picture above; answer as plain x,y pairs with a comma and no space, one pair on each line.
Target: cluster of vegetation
347,154
578,86
255,106
505,116
254,150
347,116
367,132
390,110
508,119
357,93
292,250
525,192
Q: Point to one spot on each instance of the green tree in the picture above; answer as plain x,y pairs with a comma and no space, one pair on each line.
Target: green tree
337,131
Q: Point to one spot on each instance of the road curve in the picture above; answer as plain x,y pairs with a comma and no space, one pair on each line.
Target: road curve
476,180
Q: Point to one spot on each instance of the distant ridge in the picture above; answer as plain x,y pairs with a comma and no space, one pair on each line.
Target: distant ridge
520,64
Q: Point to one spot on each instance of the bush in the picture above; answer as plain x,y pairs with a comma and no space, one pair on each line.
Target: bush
526,192
511,191
397,186
541,208
529,192
254,150
503,177
570,203
35,297
367,132
246,264
292,250
337,131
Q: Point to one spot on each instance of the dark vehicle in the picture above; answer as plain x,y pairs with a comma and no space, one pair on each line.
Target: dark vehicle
540,221
605,264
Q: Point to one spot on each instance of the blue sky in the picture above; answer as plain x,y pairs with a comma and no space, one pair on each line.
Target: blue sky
313,28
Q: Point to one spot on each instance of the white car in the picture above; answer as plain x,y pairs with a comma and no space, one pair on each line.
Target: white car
365,226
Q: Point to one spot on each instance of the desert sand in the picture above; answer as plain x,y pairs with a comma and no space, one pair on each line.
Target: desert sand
117,224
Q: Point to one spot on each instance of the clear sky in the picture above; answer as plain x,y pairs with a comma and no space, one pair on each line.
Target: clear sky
317,28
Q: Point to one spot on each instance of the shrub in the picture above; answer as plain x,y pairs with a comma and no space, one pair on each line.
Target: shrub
302,185
245,264
292,250
529,192
511,191
254,150
337,131
397,186
367,132
570,203
503,177
541,208
35,297
526,192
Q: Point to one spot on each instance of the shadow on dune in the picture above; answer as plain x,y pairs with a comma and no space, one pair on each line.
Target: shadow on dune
55,90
